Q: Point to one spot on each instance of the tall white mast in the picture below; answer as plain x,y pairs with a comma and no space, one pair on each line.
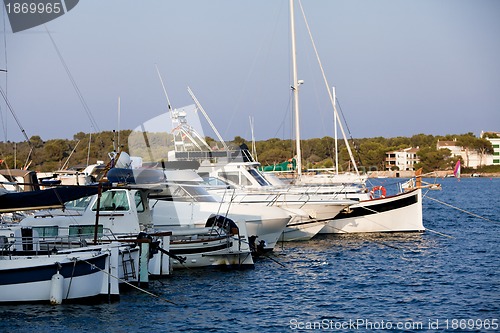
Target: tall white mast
335,131
295,88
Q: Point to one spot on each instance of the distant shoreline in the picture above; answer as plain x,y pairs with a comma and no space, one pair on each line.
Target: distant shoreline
435,174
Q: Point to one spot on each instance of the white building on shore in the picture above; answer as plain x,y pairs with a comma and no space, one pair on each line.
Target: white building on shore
471,157
494,138
403,160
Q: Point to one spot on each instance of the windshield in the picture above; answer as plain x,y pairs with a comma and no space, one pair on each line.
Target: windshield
113,201
214,181
78,204
258,177
177,192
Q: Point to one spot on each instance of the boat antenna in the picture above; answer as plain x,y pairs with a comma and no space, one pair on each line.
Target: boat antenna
118,130
88,150
114,140
254,147
164,90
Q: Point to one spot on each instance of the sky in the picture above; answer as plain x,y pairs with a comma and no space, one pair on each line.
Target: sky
399,68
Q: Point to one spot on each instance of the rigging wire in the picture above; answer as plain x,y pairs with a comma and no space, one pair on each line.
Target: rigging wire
4,123
269,39
130,284
9,106
356,146
93,123
328,87
285,115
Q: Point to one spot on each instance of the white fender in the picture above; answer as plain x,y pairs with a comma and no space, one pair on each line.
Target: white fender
56,289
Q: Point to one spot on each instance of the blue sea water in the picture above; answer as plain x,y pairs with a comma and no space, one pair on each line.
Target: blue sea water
446,279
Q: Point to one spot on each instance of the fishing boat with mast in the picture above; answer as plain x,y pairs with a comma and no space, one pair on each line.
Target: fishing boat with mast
395,213
372,211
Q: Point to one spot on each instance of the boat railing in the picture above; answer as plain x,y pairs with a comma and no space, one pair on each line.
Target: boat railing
35,245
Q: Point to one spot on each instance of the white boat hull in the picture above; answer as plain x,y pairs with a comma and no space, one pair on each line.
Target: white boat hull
398,213
221,253
29,279
307,219
265,222
301,231
301,227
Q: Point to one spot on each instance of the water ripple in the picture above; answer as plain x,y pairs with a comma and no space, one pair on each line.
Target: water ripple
390,277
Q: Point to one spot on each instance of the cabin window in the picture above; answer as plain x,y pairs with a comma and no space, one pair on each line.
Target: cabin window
51,231
113,201
233,177
245,180
84,230
139,204
199,194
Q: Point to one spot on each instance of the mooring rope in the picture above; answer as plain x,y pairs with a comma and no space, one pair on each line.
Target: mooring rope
438,233
75,260
130,284
463,210
259,254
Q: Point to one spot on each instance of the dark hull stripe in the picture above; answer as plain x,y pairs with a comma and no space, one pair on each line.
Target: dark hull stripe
201,249
97,299
378,208
45,273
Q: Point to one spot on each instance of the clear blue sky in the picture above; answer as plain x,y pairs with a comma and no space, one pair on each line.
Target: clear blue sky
400,67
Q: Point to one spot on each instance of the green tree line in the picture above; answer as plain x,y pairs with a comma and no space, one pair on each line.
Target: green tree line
369,153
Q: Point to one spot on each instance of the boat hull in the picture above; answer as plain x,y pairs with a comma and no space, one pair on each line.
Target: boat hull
267,223
29,279
398,213
307,218
221,252
301,230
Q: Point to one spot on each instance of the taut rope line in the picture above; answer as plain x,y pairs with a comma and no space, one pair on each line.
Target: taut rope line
463,210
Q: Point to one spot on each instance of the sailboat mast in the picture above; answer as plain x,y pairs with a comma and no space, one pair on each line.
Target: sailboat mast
295,88
335,131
